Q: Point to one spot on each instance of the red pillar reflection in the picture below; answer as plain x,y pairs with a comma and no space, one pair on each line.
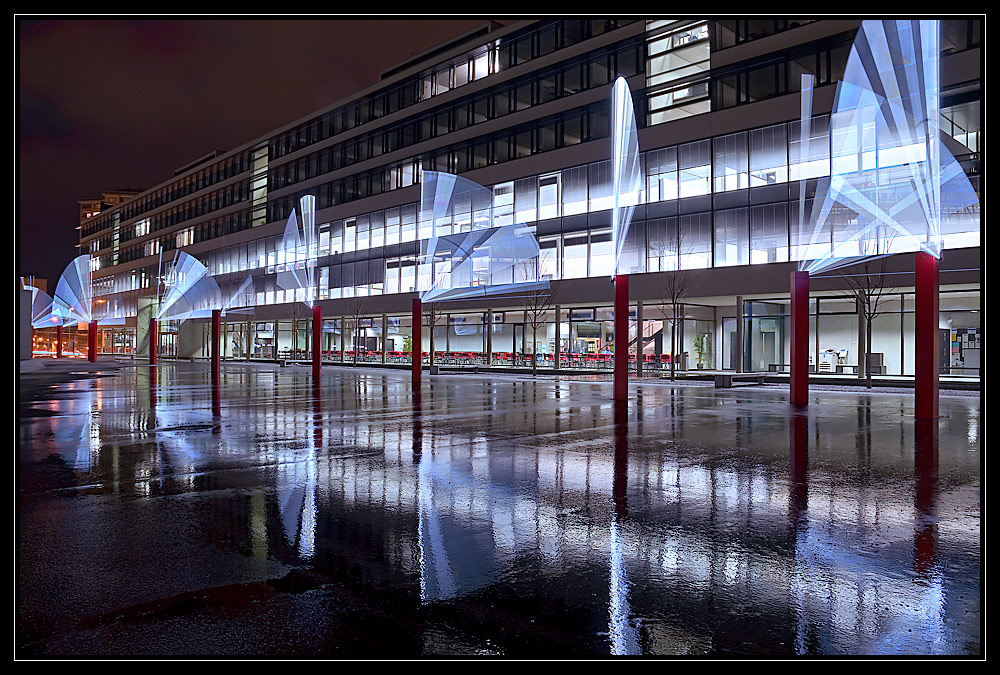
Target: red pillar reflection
926,355
619,488
153,340
152,389
925,475
621,337
798,463
58,342
92,342
418,427
799,381
216,344
216,405
416,342
317,395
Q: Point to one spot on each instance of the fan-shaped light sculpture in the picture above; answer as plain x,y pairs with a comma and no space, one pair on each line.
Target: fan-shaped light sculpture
480,259
297,253
73,297
626,176
893,185
191,291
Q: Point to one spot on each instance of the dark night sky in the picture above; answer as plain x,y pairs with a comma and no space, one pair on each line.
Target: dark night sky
109,104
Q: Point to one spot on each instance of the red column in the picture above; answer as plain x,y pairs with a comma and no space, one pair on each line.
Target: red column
416,341
92,342
926,355
152,342
799,381
216,344
621,337
317,342
58,342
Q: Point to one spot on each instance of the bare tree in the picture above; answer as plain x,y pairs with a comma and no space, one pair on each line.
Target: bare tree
357,311
537,302
241,336
675,286
296,318
249,333
433,314
868,289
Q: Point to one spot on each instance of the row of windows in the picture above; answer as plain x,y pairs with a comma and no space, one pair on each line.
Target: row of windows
760,157
956,34
521,142
769,156
596,70
505,53
778,77
730,32
217,227
220,199
207,177
575,127
754,235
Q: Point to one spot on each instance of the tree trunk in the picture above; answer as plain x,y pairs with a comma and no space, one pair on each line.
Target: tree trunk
431,353
868,351
534,351
673,347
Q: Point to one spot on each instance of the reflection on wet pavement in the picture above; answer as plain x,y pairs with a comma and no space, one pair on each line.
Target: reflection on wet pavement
160,512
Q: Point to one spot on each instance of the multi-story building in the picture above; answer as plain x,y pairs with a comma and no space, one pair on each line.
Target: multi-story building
93,206
524,110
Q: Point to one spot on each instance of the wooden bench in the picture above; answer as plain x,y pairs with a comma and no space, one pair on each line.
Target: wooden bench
726,380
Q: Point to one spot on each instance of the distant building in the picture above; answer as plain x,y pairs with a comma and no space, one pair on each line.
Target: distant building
93,206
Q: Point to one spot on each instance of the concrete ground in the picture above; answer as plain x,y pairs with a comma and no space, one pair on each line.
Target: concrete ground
487,514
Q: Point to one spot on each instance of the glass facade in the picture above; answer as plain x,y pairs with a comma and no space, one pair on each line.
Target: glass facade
735,199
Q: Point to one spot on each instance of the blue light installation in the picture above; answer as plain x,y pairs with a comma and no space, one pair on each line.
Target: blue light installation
41,308
449,198
626,173
479,259
72,300
893,185
297,253
191,291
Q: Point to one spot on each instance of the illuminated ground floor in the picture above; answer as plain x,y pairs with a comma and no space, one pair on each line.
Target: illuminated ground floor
705,336
730,318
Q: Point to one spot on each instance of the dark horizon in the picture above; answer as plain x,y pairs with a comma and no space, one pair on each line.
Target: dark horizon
105,105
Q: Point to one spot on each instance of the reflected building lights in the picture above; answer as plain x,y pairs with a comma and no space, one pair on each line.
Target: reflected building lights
468,507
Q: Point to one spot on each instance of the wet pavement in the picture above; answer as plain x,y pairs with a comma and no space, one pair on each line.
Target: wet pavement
161,514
